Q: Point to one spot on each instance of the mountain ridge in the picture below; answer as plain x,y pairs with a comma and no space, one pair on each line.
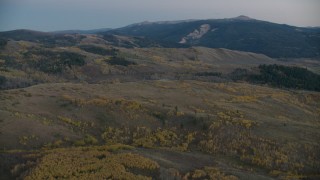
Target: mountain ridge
78,31
241,33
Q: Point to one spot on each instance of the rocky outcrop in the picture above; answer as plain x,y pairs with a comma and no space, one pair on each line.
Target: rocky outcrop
196,34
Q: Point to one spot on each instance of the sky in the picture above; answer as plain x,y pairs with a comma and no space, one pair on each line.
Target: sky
52,15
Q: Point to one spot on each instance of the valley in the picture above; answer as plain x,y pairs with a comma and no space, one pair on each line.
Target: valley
122,106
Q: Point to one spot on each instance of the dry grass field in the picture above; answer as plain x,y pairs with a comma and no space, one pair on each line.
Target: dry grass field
191,116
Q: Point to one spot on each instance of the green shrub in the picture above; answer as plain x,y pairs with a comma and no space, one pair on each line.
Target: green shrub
56,62
218,74
90,140
3,80
288,77
120,61
99,50
3,43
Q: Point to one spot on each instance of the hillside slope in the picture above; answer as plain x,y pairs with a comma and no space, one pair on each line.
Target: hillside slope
101,106
246,129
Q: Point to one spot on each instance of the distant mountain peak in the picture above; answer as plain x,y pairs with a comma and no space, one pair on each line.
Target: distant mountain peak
243,18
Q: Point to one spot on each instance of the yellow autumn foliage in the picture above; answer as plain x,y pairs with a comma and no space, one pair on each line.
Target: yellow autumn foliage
92,163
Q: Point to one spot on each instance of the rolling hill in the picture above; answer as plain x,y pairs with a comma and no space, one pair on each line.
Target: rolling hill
46,38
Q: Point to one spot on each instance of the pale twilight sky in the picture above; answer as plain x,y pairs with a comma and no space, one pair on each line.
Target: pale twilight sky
50,15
